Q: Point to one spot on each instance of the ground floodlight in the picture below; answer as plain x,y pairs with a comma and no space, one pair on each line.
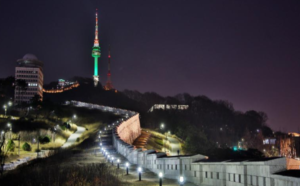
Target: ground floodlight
181,180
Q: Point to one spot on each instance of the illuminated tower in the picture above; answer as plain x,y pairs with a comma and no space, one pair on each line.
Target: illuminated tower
96,53
108,85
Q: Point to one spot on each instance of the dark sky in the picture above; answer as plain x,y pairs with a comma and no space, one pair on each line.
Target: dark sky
246,52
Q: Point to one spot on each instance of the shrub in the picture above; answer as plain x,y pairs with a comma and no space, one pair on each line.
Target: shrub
63,127
10,145
44,139
26,147
37,150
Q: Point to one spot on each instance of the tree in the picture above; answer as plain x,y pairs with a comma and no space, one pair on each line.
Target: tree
21,86
197,142
6,86
5,147
36,101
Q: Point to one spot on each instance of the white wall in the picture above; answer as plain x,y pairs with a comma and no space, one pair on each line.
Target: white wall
196,168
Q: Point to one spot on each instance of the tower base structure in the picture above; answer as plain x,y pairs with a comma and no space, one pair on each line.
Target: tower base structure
96,80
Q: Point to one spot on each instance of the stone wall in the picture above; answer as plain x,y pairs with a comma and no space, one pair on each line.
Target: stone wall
198,168
130,129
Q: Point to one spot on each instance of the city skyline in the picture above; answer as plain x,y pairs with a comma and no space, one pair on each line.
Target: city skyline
246,53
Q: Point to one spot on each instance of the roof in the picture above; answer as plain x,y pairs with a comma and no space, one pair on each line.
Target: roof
30,60
291,173
237,160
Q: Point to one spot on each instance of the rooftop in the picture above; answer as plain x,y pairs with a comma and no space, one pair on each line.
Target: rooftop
292,173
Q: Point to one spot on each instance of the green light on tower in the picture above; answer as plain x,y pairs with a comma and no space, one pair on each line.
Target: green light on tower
96,52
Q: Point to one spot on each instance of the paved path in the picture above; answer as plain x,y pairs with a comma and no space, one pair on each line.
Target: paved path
174,146
148,177
72,139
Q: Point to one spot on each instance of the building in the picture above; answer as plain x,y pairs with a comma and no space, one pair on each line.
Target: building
30,69
65,83
168,107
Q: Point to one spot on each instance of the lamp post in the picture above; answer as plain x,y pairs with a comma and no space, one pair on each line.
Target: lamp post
10,128
54,130
160,175
2,135
112,161
127,166
19,138
162,126
140,173
118,161
5,109
181,180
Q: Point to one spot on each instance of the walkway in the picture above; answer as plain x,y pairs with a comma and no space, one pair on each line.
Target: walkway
72,139
148,177
174,146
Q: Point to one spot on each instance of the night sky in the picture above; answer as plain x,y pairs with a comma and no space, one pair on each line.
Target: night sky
246,52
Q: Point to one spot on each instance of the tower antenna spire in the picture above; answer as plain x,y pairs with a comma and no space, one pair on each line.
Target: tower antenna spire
108,85
96,52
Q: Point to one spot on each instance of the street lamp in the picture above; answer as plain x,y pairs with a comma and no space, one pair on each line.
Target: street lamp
112,160
160,175
118,161
140,173
162,126
74,116
5,109
10,128
10,103
127,165
181,180
54,130
2,134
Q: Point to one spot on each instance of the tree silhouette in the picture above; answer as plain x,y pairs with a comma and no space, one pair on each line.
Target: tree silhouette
21,86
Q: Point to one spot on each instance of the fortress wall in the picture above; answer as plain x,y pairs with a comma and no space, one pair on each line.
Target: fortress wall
196,168
204,173
130,129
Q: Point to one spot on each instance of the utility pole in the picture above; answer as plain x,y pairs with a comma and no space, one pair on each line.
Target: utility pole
19,138
38,145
